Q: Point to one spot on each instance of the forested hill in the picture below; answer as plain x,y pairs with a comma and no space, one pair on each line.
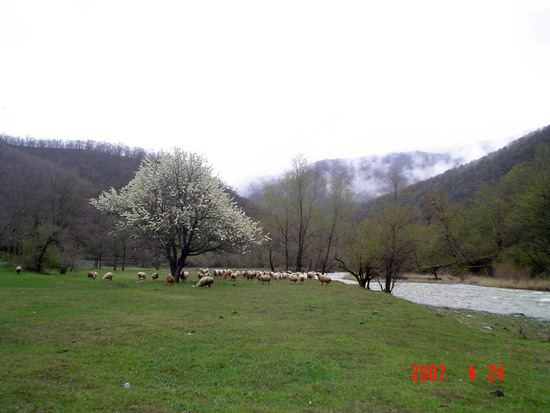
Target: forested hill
459,184
101,165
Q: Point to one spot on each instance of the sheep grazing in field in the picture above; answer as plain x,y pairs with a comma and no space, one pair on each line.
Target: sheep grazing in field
302,277
108,276
142,275
264,278
169,280
92,274
18,269
293,278
311,275
155,276
184,274
205,281
325,279
203,272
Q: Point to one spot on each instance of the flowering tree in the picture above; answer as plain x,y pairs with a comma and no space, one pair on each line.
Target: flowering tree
176,200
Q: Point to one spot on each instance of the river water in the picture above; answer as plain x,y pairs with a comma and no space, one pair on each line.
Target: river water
473,297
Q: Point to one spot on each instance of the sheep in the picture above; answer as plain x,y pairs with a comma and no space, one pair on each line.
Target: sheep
141,275
264,278
155,276
92,274
311,275
205,281
169,280
293,278
184,274
108,276
18,269
325,279
302,277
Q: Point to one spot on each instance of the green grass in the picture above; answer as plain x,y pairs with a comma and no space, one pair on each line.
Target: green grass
68,343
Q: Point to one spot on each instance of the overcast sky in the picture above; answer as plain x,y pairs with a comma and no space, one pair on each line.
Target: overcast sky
250,84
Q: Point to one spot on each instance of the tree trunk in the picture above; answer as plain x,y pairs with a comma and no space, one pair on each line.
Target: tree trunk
123,255
180,265
271,260
387,285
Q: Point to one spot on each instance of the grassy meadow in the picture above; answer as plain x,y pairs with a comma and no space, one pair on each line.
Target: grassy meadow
69,343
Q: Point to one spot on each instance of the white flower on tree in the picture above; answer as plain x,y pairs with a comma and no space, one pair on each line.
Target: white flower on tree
176,200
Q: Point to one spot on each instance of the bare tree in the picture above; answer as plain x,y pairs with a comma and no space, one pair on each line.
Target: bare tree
302,185
332,213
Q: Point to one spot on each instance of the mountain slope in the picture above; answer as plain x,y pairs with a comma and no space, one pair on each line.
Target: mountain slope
460,183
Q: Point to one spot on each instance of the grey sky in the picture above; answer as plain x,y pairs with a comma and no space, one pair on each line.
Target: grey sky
250,84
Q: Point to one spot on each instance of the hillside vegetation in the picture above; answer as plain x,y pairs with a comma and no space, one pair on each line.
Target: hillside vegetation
488,216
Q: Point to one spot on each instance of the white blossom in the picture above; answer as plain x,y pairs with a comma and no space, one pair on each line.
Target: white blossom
175,199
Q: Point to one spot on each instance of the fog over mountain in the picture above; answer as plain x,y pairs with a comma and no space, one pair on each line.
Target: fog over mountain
370,174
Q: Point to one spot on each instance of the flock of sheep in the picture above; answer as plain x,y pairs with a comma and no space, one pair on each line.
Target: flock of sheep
205,279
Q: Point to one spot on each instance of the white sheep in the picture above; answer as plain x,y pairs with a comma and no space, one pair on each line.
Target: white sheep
18,269
264,278
108,276
302,277
325,279
141,275
205,281
293,278
155,276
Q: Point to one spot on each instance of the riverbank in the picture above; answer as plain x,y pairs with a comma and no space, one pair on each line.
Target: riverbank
471,279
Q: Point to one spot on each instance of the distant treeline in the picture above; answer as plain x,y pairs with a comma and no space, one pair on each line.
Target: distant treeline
117,149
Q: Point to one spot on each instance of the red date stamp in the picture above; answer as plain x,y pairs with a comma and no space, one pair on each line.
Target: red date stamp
427,372
433,372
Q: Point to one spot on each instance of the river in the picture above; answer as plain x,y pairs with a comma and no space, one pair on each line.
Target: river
473,297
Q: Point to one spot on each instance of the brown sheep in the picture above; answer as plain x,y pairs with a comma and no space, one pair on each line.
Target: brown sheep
92,274
155,276
169,280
